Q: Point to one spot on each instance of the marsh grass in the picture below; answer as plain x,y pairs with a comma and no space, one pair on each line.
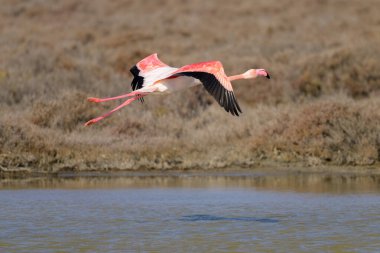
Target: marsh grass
321,106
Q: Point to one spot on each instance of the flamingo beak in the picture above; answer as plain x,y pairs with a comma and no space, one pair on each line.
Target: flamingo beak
263,72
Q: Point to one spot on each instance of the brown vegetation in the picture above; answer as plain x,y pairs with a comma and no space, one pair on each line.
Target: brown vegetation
321,107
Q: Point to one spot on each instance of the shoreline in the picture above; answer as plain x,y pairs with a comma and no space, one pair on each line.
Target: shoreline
285,180
266,168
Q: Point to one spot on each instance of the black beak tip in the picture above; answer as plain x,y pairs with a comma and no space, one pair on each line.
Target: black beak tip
268,76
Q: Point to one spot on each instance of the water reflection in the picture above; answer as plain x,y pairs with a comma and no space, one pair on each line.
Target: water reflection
298,182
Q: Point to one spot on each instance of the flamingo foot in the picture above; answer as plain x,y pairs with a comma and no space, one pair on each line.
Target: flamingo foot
93,121
94,100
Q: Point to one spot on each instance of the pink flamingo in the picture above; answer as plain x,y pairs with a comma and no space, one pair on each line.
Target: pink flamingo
153,76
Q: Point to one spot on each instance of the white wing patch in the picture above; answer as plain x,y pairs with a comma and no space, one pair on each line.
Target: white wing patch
157,74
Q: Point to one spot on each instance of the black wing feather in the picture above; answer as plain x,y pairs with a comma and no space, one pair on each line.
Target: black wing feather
224,97
138,81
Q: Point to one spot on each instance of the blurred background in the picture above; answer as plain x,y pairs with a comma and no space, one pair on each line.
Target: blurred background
321,106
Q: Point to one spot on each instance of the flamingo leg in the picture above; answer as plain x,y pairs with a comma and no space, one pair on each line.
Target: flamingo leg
99,100
127,102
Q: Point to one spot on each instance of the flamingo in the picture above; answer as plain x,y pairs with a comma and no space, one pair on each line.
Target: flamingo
152,76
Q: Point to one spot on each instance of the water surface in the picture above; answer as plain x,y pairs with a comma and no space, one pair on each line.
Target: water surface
191,213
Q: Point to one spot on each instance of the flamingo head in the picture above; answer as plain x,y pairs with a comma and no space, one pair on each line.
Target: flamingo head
253,73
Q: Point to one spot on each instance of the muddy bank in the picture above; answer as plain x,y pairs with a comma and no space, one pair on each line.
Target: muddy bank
262,168
268,179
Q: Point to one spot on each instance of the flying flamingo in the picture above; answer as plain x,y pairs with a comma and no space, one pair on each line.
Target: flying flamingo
153,76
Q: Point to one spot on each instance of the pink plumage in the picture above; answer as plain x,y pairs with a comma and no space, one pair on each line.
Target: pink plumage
150,63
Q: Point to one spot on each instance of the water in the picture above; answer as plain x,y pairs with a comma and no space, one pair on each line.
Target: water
191,214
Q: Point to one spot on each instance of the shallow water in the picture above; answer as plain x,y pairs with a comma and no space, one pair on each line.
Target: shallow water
191,213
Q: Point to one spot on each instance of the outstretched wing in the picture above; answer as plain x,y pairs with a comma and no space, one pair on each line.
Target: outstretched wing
138,71
213,78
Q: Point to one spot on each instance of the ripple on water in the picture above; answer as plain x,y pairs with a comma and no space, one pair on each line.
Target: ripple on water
206,217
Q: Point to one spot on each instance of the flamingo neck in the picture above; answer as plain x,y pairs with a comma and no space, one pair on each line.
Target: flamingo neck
236,77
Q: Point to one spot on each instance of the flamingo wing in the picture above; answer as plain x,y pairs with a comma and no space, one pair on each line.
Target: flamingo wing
212,76
139,71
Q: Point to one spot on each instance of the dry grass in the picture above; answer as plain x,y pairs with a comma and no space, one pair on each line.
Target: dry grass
321,106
